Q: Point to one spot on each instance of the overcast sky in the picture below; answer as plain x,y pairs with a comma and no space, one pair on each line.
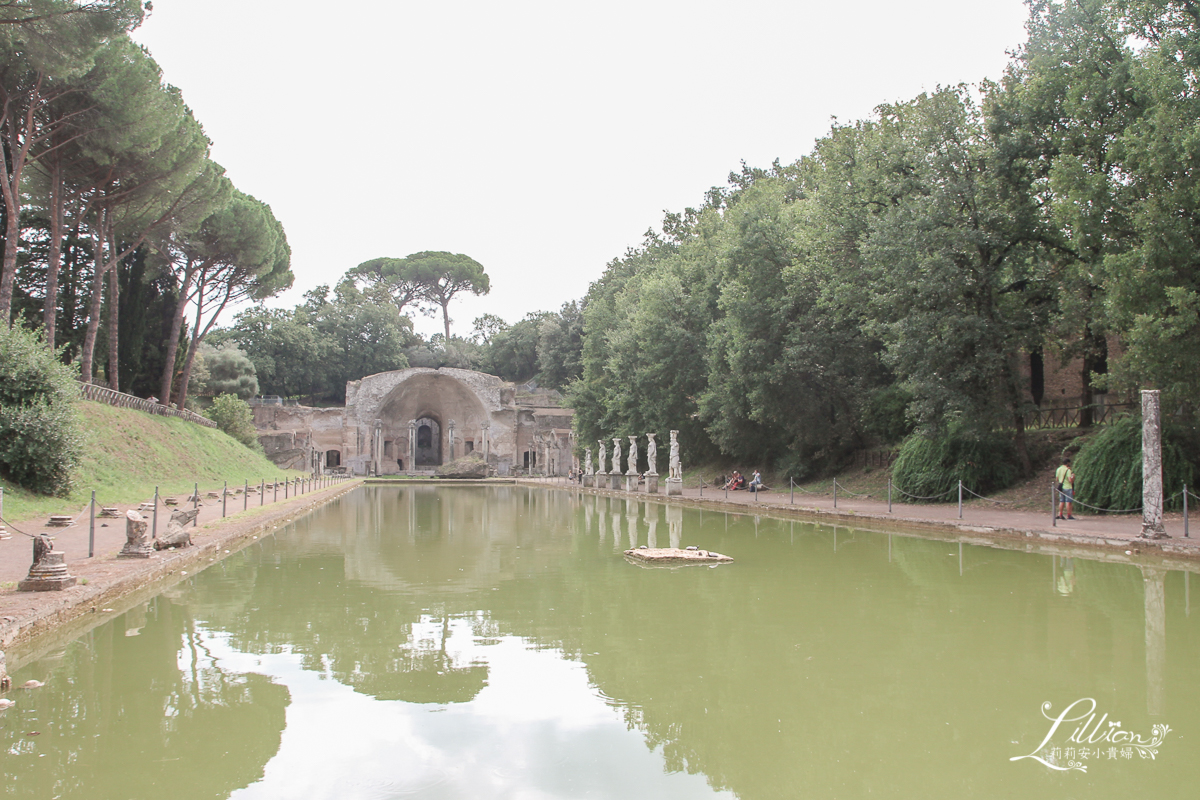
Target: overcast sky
540,138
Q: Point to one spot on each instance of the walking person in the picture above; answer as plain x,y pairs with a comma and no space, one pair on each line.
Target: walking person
1064,482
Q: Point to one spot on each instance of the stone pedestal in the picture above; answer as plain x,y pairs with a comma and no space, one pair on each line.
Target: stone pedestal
49,570
631,483
651,484
136,545
674,487
589,481
5,681
614,481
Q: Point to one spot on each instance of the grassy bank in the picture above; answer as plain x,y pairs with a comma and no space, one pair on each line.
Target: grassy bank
127,453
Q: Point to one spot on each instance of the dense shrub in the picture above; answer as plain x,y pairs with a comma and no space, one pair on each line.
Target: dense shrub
1108,468
39,435
933,466
233,415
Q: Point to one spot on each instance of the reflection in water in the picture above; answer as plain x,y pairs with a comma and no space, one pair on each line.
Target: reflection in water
1156,637
490,642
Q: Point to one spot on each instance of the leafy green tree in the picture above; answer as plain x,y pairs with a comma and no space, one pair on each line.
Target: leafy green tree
40,439
228,370
560,347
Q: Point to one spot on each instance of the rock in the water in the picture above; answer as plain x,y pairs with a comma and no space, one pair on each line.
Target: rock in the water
6,704
469,466
675,556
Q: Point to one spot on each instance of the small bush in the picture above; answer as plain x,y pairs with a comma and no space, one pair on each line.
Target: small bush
1108,468
233,415
886,415
40,441
933,466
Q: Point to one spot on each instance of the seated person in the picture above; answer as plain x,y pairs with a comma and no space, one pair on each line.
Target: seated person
756,484
738,481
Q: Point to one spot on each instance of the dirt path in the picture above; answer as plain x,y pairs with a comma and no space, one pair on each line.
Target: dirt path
103,578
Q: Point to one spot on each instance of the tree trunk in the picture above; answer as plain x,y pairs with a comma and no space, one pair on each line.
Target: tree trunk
166,386
93,324
114,374
446,319
191,354
54,258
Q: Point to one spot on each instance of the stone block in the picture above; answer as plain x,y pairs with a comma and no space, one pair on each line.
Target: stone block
674,487
49,570
136,545
631,483
651,484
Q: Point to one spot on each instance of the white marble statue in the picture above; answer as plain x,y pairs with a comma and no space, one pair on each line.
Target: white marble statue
603,456
588,469
616,462
675,471
652,454
632,456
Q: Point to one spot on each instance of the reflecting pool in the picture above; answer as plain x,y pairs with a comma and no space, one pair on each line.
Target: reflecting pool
493,642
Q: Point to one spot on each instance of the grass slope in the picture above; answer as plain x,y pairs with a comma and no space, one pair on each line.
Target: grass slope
127,453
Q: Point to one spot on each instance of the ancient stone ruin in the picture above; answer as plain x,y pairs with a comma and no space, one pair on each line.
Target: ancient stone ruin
177,534
136,545
49,570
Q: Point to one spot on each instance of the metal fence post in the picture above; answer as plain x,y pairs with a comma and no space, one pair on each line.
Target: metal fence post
92,528
1053,501
196,505
224,498
245,494
835,492
791,490
1186,535
154,533
960,499
889,495
286,484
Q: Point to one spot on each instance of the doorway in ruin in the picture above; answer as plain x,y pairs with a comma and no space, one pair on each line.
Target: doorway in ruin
333,458
429,442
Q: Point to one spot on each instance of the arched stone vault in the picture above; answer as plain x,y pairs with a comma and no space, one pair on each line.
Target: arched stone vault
464,411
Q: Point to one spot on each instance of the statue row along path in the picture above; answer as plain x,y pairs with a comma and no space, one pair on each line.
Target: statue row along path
986,518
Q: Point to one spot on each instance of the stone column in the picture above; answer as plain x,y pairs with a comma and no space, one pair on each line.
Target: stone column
412,445
1152,479
487,442
136,545
377,447
449,441
49,570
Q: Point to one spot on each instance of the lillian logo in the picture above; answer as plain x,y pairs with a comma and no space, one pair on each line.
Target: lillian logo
1091,739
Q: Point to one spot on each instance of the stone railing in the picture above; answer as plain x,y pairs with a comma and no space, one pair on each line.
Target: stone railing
102,394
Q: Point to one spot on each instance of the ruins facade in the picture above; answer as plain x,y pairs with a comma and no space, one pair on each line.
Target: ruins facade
411,421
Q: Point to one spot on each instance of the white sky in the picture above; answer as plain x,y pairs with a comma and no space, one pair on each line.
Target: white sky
540,138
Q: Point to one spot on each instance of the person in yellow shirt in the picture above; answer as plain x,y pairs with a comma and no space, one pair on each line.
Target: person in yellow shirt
1064,482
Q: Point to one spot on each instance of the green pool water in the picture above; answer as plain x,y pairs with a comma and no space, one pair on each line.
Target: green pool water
494,643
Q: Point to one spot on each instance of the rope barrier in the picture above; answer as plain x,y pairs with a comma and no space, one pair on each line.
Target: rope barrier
847,491
989,499
920,497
